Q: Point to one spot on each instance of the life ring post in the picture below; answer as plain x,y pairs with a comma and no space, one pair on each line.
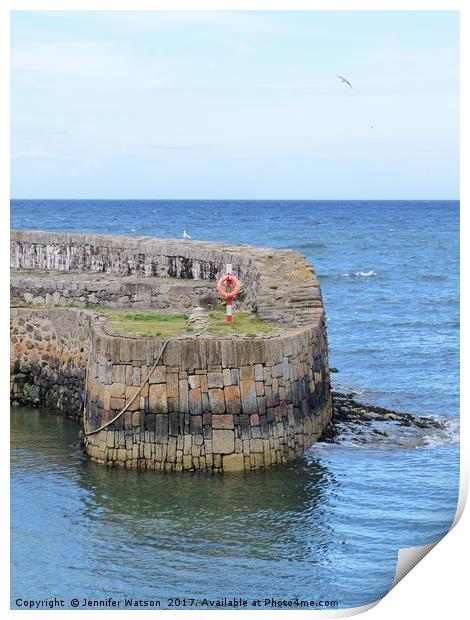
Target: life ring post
229,314
228,287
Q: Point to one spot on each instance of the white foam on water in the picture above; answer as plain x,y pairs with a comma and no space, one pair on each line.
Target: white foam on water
360,274
362,436
365,274
449,434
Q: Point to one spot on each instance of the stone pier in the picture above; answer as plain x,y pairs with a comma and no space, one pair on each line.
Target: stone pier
213,403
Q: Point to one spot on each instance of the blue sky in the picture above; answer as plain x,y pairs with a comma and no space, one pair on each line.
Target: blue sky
235,104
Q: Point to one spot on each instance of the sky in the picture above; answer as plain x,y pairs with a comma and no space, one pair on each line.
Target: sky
244,104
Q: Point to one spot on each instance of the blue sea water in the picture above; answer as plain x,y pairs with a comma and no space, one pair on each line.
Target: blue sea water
328,526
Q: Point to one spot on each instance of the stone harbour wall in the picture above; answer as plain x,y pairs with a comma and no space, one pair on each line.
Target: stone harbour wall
129,292
49,357
220,404
126,256
279,285
212,403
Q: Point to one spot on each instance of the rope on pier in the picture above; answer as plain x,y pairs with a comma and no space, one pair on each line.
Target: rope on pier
126,407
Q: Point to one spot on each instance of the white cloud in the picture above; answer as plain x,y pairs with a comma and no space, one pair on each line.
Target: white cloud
59,62
30,153
160,21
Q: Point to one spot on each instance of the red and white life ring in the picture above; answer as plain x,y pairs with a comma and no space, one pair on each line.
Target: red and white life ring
228,286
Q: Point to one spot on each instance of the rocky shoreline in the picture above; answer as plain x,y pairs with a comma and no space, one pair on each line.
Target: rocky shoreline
349,413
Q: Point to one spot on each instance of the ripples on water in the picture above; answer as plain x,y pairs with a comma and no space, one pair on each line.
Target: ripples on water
319,527
327,526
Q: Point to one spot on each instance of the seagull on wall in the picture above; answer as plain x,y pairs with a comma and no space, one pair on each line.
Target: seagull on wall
344,80
185,235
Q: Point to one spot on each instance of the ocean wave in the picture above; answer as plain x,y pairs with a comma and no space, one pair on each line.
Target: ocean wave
365,274
359,274
449,434
391,435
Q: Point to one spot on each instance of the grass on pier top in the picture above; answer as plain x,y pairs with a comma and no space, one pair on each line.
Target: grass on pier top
148,323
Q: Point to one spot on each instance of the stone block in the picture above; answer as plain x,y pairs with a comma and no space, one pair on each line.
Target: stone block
259,388
173,423
184,395
125,350
259,375
150,422
261,405
157,398
275,393
248,396
216,401
215,380
116,404
233,462
106,398
285,368
161,427
229,353
246,373
223,442
222,421
186,444
194,381
119,373
195,424
158,375
195,402
171,450
205,402
227,376
268,390
136,376
256,445
172,385
173,404
232,399
259,460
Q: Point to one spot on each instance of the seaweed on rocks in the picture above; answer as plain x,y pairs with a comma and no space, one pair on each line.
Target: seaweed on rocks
349,414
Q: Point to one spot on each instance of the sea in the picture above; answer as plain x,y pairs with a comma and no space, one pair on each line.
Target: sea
325,528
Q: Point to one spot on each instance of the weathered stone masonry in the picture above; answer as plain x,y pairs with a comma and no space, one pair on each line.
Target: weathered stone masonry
211,403
50,353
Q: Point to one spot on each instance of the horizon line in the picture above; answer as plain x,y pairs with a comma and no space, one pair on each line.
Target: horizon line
251,199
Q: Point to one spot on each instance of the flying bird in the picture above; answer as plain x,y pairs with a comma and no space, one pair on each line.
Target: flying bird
344,80
185,235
